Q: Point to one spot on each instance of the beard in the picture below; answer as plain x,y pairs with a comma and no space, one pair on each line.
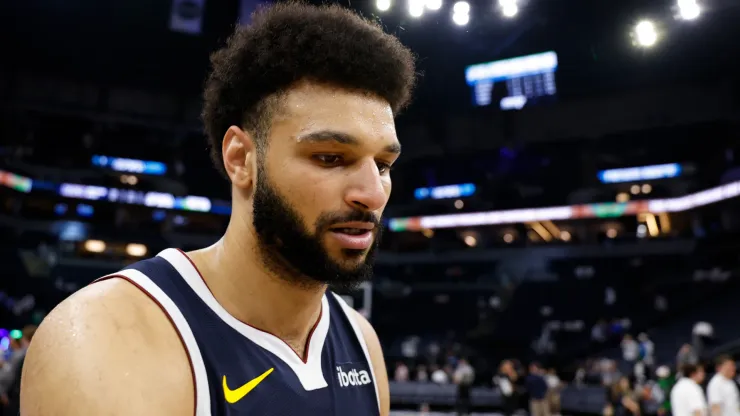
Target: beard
291,251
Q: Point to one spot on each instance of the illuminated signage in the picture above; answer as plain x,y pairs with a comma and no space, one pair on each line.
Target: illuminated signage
17,182
119,164
526,79
603,210
128,196
444,192
642,173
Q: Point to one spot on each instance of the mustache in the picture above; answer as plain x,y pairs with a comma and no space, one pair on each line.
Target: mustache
328,219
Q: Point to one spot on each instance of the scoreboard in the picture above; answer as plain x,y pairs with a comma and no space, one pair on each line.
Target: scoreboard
514,83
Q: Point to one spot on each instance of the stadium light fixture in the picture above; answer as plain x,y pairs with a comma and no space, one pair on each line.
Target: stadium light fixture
434,4
688,9
416,8
461,19
383,5
461,13
461,7
509,8
646,35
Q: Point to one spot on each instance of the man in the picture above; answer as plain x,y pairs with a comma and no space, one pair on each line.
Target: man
687,396
506,381
463,377
722,392
537,389
299,109
554,388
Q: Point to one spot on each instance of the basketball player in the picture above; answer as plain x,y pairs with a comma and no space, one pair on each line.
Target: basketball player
299,109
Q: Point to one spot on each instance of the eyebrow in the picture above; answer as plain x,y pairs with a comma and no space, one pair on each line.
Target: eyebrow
323,136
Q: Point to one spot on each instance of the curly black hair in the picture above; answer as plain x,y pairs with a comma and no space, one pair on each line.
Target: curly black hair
291,42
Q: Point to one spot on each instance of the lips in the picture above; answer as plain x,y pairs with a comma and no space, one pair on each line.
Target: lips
353,236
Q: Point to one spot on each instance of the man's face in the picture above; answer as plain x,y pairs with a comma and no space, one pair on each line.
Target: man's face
700,375
323,183
728,369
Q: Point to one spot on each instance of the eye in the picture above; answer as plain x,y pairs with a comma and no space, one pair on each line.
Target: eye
384,168
328,160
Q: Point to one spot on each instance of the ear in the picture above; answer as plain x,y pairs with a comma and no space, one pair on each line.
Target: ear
240,153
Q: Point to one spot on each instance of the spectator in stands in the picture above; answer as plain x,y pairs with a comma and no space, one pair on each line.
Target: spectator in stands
687,396
722,393
10,398
610,373
598,332
666,381
537,389
401,373
506,381
422,374
686,355
647,351
630,353
623,400
554,387
439,375
463,377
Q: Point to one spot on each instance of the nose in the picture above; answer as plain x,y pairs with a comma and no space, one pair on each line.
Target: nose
367,190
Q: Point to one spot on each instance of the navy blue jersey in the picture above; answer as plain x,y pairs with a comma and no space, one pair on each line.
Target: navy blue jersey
241,370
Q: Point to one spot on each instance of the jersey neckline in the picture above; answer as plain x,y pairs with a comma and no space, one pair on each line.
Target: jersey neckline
307,369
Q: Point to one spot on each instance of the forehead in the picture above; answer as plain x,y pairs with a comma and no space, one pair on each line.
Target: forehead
311,107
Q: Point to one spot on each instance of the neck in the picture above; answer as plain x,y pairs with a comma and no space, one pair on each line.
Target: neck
252,294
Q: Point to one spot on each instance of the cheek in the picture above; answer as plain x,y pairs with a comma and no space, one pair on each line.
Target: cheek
309,194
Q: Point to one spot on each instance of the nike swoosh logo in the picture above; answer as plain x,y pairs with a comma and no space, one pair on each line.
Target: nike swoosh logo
233,396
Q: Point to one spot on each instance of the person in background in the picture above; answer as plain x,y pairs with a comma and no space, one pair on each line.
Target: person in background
506,381
686,355
422,374
666,381
647,351
10,397
439,375
599,332
554,387
622,400
687,396
463,377
630,353
722,392
401,373
537,388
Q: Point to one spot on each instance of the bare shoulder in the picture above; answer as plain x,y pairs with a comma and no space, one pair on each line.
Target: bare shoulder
378,362
108,350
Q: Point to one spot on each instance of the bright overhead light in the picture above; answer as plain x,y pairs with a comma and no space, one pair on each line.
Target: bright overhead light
461,7
461,19
688,9
646,34
509,10
434,4
416,8
383,5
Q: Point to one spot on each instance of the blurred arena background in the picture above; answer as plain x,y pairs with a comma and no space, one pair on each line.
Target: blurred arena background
568,193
